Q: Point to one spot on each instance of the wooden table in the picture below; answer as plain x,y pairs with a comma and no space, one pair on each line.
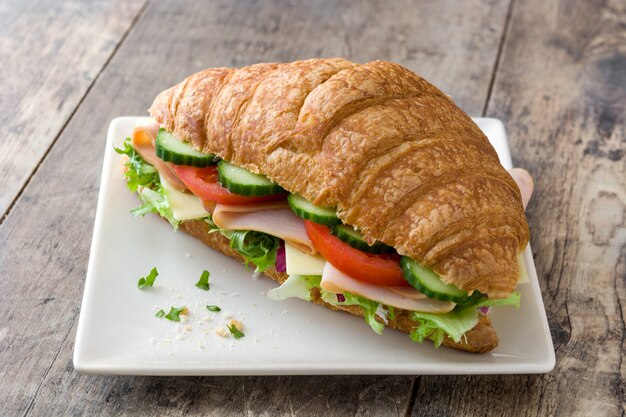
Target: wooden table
554,71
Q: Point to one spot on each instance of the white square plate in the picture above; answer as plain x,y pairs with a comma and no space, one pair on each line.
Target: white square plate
118,332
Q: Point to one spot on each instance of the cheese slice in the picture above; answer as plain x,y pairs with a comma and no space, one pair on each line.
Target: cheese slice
300,263
185,206
335,281
280,222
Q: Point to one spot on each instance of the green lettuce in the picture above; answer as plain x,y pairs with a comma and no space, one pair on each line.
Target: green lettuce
456,322
143,178
155,201
511,300
296,286
138,173
370,308
300,286
256,248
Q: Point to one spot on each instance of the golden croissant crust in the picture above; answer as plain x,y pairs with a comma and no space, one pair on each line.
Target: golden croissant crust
399,160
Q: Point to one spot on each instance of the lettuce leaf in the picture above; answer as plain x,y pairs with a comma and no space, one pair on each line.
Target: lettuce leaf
155,201
455,323
300,286
257,248
511,300
296,286
143,178
138,172
370,308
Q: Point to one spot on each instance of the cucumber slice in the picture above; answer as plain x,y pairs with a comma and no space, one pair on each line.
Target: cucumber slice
309,211
429,283
170,149
240,181
355,239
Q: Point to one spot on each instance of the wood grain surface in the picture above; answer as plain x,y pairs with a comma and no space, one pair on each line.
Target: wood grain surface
50,53
170,41
552,70
561,91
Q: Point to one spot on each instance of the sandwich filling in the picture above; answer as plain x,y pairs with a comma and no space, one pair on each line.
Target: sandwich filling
269,227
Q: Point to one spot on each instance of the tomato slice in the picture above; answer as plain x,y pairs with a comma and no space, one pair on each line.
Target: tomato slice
373,269
203,183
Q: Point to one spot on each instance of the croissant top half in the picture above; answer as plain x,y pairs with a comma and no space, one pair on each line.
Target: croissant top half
399,160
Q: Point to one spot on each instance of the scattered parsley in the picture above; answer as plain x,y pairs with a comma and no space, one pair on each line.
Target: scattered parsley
148,280
160,313
203,283
238,334
174,314
214,309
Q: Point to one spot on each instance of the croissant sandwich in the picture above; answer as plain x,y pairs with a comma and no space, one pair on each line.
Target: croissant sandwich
360,187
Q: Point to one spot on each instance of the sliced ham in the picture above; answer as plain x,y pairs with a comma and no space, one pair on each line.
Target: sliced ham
525,183
251,208
273,218
335,281
143,142
407,292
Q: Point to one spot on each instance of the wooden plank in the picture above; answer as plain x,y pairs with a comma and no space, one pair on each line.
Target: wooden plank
44,241
561,90
50,53
218,396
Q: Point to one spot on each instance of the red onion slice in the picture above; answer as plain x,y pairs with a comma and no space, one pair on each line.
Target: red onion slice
281,259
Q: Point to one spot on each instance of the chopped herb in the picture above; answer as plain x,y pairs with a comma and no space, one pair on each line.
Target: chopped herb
148,280
160,313
214,309
174,314
203,283
235,331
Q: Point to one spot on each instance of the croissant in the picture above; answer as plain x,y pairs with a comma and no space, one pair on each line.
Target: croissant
395,156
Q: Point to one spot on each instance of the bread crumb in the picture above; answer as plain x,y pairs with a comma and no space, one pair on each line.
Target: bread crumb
236,323
187,328
222,332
